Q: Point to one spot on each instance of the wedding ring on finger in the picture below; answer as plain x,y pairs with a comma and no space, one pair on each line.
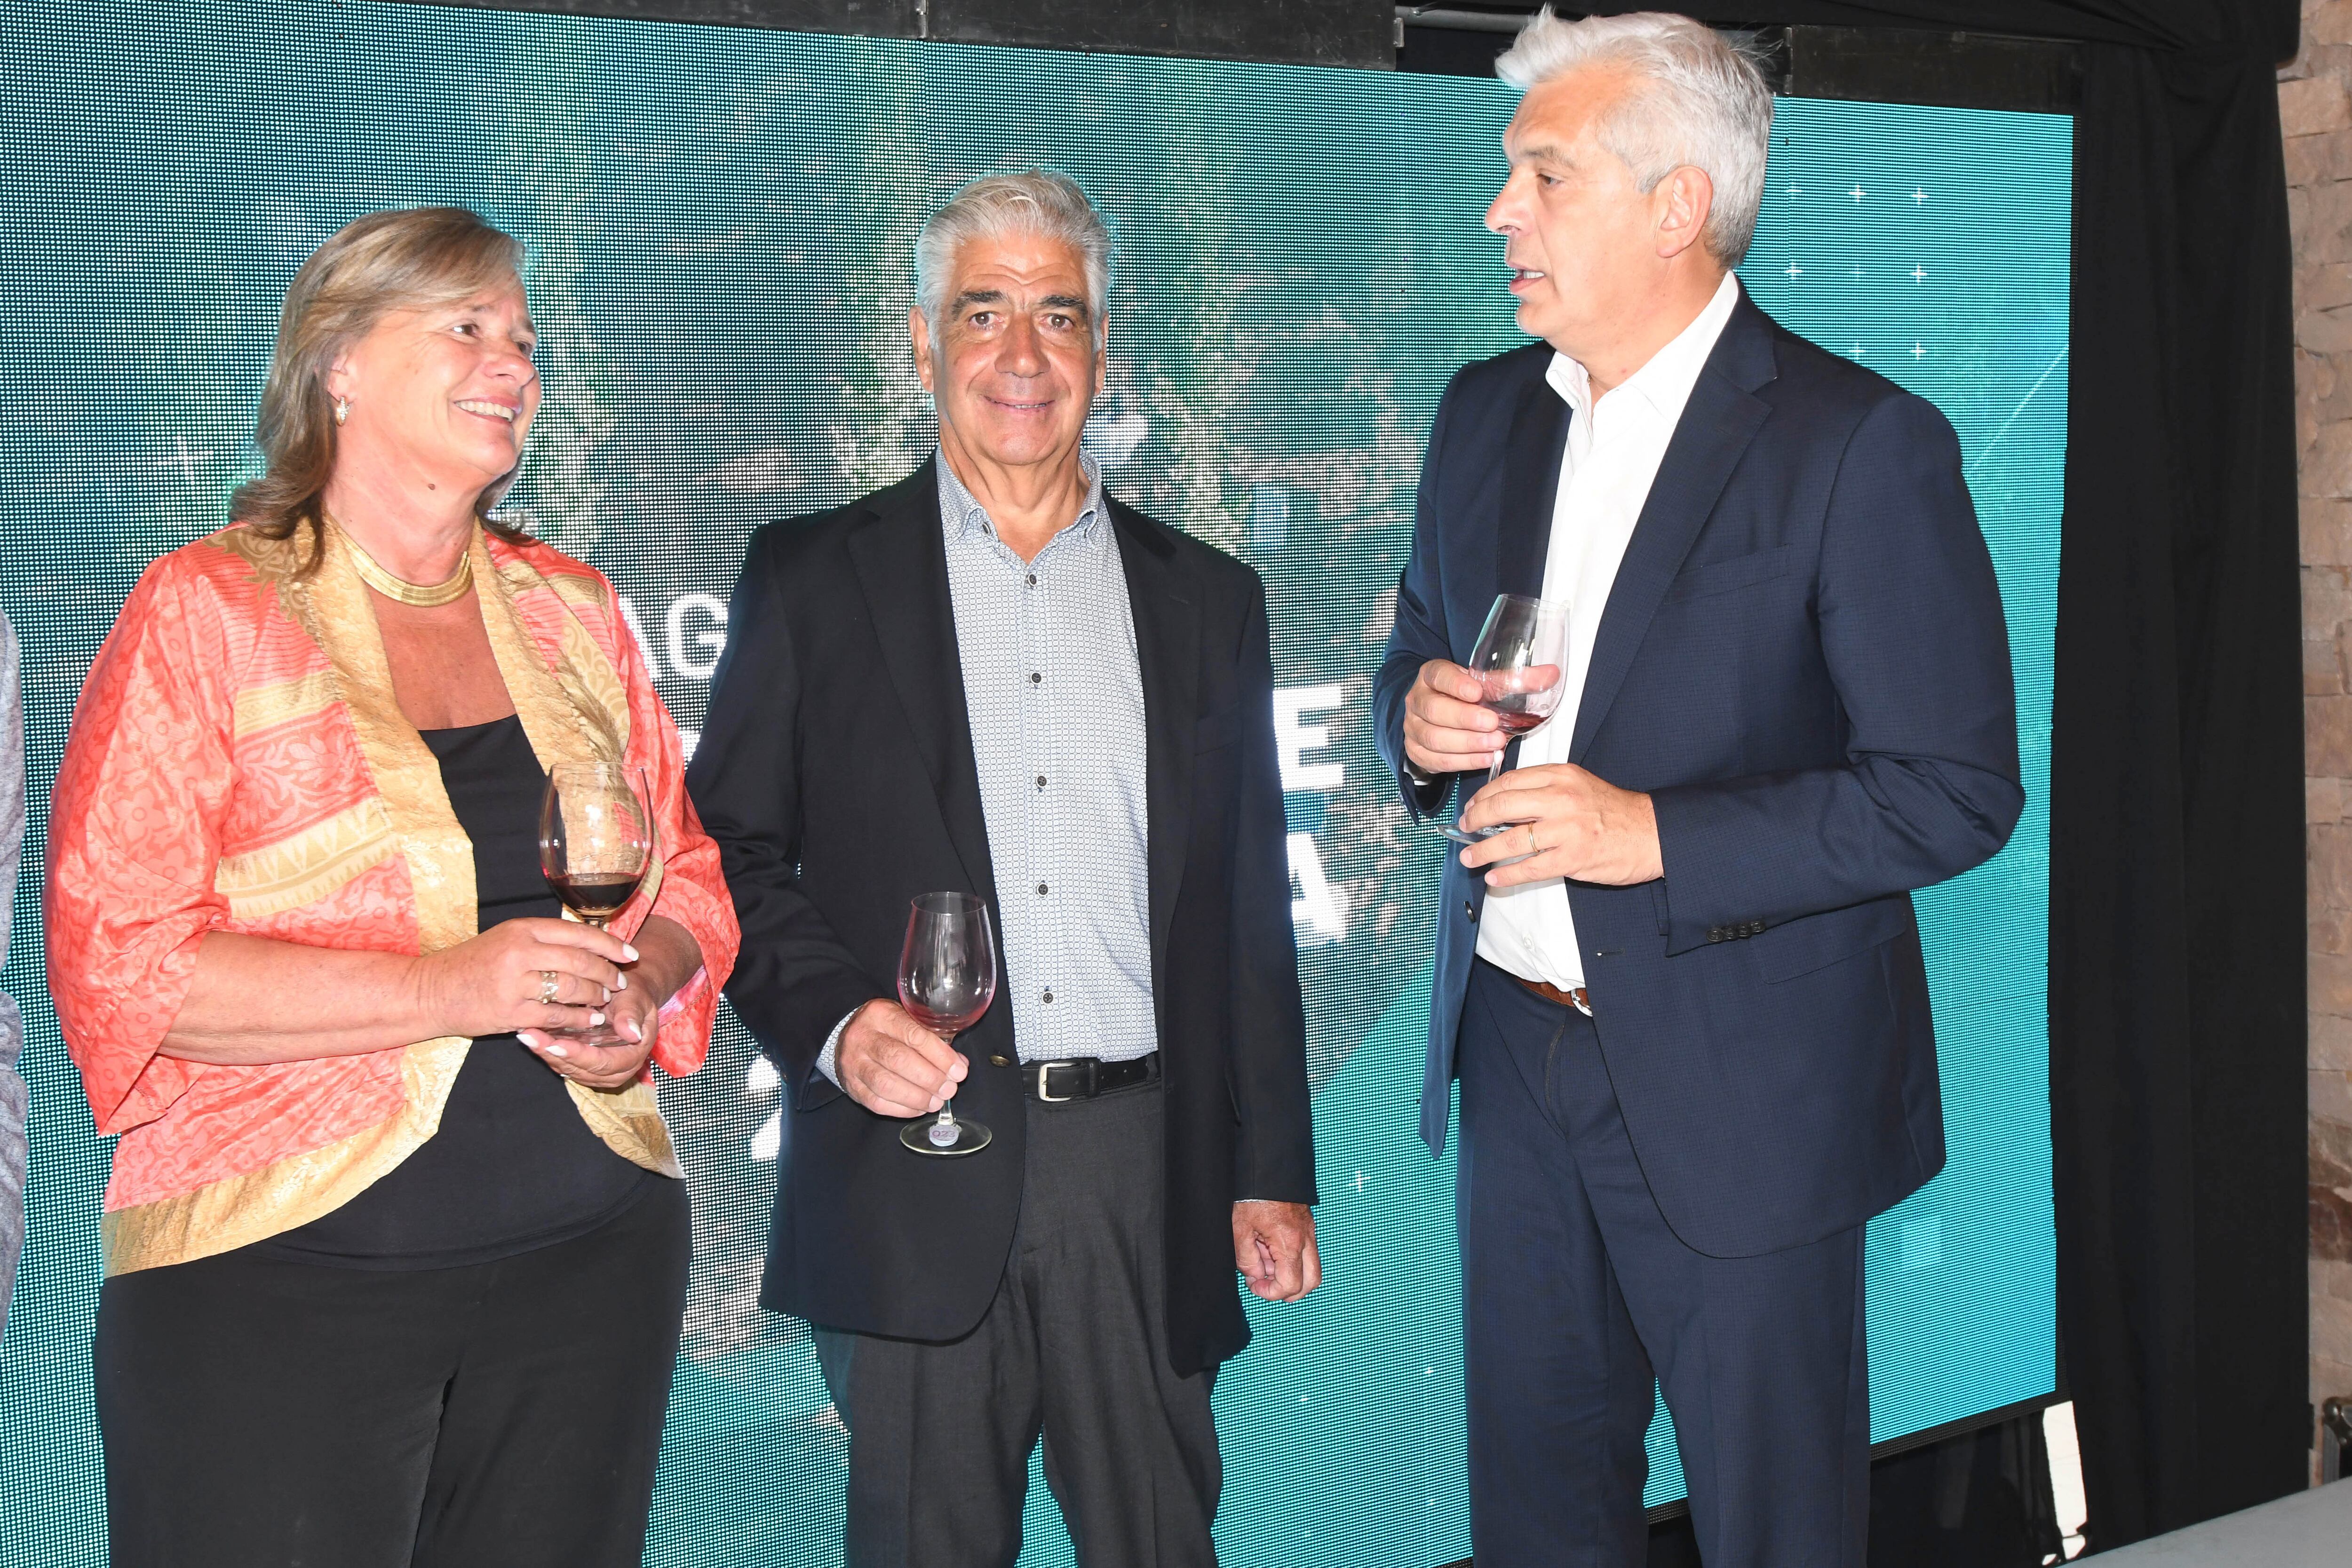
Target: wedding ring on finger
550,983
1533,848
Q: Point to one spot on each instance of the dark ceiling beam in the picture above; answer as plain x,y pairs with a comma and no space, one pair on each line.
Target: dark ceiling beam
1876,65
1360,33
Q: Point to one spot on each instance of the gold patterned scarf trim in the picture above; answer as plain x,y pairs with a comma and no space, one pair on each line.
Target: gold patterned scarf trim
241,1210
308,865
262,708
575,709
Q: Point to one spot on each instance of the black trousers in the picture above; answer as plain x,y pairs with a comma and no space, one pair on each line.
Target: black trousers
1075,1346
1575,1288
260,1413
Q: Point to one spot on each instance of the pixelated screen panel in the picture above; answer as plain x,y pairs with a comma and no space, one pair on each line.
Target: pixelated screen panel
721,224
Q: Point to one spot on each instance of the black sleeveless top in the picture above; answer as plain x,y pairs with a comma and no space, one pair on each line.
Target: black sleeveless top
512,1166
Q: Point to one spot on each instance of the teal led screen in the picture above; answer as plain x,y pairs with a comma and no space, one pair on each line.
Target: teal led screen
721,226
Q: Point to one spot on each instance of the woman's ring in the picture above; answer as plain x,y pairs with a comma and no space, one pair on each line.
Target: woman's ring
548,983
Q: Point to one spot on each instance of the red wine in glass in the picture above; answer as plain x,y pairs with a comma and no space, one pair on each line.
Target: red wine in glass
594,899
947,978
595,844
946,1026
1521,663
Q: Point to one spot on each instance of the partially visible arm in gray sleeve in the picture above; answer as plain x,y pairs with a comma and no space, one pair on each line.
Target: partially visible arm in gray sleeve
11,1027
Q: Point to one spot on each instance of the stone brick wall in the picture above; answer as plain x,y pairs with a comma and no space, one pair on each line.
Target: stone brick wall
2315,107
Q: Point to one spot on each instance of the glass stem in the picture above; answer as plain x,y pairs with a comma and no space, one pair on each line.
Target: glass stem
947,1111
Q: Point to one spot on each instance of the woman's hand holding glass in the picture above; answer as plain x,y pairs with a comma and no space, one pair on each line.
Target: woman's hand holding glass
525,974
663,958
635,1015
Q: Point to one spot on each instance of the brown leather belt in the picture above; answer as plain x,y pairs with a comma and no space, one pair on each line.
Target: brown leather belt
1581,999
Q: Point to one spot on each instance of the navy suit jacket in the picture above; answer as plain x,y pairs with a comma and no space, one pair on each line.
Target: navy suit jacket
1804,660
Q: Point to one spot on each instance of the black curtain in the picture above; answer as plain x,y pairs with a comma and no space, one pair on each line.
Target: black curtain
2178,1001
2177,988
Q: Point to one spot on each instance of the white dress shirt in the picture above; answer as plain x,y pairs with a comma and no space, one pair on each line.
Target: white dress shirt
1612,456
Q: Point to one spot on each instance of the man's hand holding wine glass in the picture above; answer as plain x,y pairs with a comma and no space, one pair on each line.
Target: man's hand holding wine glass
893,1065
1562,821
1446,729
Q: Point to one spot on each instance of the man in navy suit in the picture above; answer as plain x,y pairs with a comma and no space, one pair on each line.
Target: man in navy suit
1683,987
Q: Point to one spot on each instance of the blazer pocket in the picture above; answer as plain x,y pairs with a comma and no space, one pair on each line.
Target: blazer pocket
1726,576
1220,729
1816,941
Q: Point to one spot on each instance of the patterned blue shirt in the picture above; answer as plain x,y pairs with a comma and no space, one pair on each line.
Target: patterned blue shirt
1053,692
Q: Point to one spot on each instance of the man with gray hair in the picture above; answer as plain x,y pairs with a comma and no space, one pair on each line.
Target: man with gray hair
993,679
1678,976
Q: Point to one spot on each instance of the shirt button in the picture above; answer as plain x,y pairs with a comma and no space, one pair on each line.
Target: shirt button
1033,579
1034,678
1041,889
1049,997
1041,780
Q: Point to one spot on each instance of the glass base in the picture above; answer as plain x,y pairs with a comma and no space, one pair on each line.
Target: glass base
970,1137
602,1035
1461,835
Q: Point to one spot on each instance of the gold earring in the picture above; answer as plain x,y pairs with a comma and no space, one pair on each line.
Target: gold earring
342,409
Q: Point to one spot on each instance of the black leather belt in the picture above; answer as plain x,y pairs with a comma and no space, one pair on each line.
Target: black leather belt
1083,1078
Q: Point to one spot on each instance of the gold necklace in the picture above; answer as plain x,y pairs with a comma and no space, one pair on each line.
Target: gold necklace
423,596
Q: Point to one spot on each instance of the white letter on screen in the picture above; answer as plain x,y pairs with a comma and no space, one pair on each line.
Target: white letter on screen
637,630
760,1079
1291,736
1318,906
709,641
768,1141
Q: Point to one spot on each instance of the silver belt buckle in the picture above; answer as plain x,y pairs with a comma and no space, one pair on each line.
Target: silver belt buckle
1043,1068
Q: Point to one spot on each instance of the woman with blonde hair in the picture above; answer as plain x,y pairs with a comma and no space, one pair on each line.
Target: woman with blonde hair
396,1256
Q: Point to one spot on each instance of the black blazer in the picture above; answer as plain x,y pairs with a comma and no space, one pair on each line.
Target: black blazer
1803,659
835,772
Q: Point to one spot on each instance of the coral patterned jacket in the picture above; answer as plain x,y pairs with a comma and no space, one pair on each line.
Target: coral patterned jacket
238,762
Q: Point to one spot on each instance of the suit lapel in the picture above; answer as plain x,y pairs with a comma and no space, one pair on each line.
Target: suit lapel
1531,488
1717,423
1164,604
900,557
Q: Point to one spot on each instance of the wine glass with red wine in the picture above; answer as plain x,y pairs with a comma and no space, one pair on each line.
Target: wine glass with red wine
1521,663
947,978
595,843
